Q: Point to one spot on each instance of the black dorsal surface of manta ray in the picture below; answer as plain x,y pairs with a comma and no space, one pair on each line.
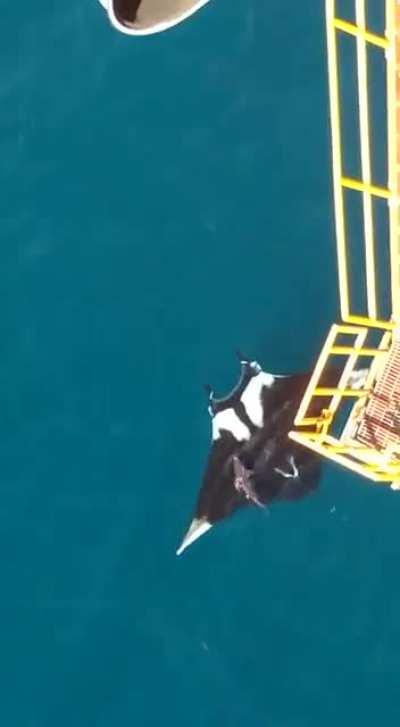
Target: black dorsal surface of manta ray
144,17
252,460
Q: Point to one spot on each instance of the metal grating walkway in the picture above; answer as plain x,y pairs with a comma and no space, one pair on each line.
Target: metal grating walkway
380,423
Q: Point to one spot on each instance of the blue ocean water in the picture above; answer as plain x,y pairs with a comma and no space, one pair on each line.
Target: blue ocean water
165,201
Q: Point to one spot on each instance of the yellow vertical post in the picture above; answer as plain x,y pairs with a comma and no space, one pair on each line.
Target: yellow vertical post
393,113
363,106
316,375
337,158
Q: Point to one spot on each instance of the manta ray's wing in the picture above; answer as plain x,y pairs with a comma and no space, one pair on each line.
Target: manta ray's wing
281,469
281,401
291,473
217,497
144,17
303,478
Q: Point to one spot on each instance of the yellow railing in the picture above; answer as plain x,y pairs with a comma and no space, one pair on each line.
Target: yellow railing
367,188
318,424
392,73
359,30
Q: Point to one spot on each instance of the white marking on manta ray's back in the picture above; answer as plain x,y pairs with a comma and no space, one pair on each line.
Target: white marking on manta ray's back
251,397
293,473
229,421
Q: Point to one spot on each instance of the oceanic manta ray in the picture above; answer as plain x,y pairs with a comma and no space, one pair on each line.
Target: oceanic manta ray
143,17
252,461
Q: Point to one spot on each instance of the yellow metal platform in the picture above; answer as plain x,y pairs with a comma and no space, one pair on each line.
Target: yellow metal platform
355,422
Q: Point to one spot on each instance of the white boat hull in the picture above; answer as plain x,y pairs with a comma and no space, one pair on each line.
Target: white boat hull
154,16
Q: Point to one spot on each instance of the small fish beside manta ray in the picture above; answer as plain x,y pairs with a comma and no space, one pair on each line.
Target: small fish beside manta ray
144,17
252,460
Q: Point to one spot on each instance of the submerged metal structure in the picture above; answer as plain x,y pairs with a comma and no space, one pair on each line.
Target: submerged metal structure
359,428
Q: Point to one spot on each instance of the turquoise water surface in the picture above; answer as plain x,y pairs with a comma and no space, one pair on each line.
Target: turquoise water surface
165,201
